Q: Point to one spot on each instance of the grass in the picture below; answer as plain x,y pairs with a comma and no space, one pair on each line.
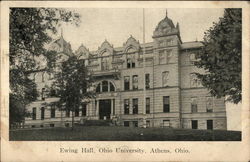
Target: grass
107,133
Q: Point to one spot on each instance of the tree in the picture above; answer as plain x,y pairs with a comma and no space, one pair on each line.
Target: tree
30,31
221,57
72,84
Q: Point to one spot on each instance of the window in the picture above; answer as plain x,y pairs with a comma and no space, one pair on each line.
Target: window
111,87
165,77
126,106
52,112
210,124
162,58
209,104
192,58
131,61
33,113
126,123
148,105
135,106
195,82
147,81
166,123
193,79
105,86
84,109
42,113
105,63
194,124
166,104
169,56
76,112
52,125
43,94
126,82
194,105
135,82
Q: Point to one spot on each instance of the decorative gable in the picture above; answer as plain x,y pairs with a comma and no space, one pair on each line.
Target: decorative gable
82,52
105,49
131,45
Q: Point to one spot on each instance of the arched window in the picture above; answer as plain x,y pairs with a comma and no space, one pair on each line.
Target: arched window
105,86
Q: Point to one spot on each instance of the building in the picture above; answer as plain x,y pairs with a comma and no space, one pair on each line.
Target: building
151,84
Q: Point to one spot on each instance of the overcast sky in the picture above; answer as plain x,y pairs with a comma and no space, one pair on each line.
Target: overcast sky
116,25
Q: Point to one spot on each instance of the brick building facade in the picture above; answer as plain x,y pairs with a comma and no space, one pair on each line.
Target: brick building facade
151,84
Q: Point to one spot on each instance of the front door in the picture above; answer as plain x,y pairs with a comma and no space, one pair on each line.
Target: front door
104,109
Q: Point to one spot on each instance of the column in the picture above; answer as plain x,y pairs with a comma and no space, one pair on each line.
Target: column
112,108
97,109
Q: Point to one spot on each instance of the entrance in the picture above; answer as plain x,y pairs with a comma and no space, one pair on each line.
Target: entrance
104,109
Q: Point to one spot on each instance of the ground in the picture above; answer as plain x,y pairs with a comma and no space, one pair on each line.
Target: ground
107,133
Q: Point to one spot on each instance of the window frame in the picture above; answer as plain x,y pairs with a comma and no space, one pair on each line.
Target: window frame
126,83
166,107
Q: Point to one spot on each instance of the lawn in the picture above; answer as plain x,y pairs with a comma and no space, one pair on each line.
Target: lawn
108,133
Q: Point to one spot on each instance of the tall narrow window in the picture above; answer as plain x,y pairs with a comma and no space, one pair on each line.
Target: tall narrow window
162,58
169,56
52,112
105,86
33,113
194,124
147,81
135,82
210,124
165,77
42,113
105,63
126,106
193,80
135,106
192,58
131,61
148,105
43,94
209,104
126,82
194,105
84,109
166,104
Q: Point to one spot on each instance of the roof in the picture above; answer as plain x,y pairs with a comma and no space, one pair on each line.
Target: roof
189,45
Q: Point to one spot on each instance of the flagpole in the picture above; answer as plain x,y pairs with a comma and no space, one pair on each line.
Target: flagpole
144,84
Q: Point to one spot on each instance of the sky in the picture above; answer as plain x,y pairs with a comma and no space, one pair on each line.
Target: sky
117,24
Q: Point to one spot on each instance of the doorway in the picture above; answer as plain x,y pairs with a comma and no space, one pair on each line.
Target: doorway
104,109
